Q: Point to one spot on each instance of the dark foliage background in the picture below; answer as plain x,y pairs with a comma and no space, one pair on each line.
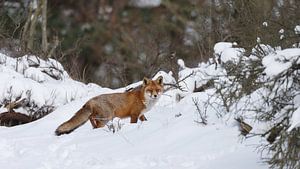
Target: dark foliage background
114,43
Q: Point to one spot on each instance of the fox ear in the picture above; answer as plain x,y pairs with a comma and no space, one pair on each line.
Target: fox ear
145,81
159,80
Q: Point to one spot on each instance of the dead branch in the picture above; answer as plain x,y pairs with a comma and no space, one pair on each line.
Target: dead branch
177,85
207,85
203,116
244,127
15,104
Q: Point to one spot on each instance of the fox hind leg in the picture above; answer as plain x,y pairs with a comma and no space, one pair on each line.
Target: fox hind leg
96,121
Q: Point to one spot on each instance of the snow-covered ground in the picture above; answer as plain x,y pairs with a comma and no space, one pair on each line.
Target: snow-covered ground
170,139
164,141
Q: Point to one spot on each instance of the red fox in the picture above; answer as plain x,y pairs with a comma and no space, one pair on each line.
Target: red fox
103,108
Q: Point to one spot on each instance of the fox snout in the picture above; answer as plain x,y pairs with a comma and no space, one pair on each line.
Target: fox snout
153,94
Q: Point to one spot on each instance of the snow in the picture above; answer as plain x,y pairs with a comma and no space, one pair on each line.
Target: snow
181,64
265,24
280,61
169,139
281,31
258,40
221,46
162,142
295,119
34,74
227,52
145,3
34,4
297,29
167,77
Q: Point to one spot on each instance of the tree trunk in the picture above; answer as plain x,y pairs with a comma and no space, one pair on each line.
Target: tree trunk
44,26
32,28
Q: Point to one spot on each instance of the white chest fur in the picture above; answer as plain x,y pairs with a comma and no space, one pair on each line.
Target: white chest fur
149,103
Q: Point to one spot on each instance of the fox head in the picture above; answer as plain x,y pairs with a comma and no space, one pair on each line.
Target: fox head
153,88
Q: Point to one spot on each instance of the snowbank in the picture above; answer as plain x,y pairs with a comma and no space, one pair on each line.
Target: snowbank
171,138
39,81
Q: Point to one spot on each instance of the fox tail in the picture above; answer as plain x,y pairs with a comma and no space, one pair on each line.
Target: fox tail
76,121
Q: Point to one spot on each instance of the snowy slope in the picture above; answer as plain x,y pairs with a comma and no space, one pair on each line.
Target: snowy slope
162,142
41,82
169,139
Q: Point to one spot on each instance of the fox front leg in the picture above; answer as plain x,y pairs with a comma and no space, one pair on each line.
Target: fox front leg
133,119
142,118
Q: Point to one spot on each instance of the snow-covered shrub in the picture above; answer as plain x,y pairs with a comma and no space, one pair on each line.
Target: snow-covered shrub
264,86
37,86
